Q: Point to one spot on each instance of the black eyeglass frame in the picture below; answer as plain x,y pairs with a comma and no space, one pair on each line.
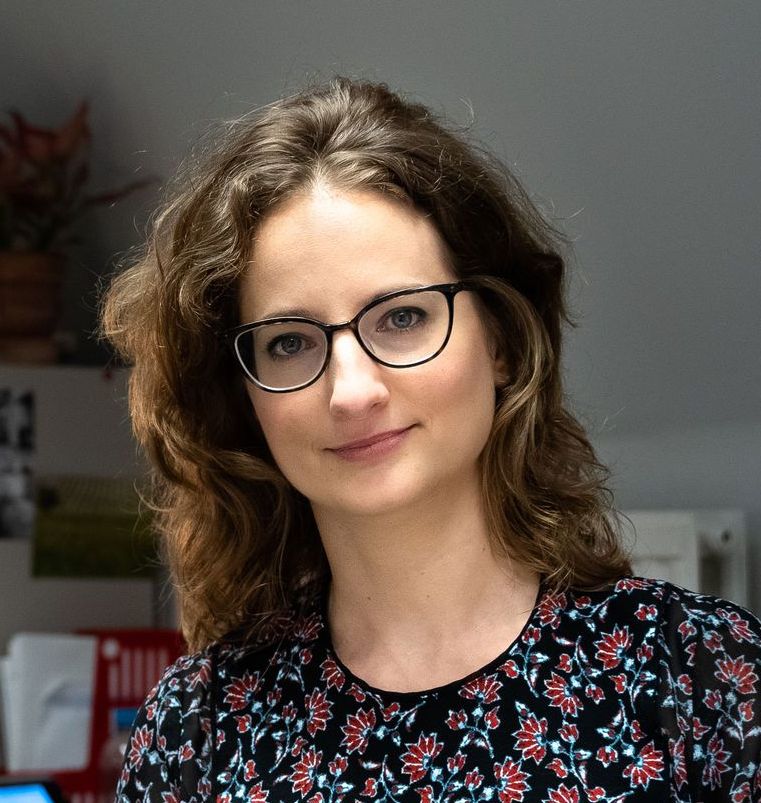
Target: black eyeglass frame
449,290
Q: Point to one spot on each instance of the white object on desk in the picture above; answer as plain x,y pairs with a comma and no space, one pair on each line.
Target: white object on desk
47,682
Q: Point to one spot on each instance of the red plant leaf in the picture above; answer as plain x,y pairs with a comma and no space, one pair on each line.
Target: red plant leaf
74,133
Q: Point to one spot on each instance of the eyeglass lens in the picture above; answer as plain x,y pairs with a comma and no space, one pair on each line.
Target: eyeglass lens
398,331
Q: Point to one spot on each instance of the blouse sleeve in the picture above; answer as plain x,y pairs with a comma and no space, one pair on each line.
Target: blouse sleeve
710,662
168,752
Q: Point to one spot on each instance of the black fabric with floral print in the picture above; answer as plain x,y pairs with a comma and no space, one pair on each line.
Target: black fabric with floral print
640,692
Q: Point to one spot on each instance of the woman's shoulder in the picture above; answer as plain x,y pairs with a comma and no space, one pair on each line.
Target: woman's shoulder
671,606
196,673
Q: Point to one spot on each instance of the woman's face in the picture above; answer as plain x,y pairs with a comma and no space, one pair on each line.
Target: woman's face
325,255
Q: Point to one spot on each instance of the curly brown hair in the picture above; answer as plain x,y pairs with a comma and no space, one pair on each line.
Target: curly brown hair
241,542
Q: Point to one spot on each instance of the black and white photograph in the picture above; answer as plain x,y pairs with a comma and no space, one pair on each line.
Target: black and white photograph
16,463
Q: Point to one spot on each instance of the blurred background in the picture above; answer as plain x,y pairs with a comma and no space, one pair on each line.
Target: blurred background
634,126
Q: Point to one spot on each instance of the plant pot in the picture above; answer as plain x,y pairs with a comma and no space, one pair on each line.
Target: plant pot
30,305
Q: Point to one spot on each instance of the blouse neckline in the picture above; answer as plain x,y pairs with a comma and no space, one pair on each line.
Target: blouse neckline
446,688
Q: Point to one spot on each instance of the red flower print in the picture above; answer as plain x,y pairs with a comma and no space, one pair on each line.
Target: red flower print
612,646
249,771
698,728
199,678
631,583
457,720
305,656
357,693
582,602
485,689
473,779
594,692
338,765
646,612
596,794
645,652
289,712
298,745
139,745
418,757
318,710
186,752
357,730
512,781
550,609
620,682
257,795
569,733
371,789
274,696
390,711
510,668
304,771
678,766
243,723
607,755
150,711
456,762
558,767
738,673
241,690
491,719
746,711
712,641
561,696
741,794
713,699
308,628
563,795
737,625
716,762
647,766
686,629
332,674
564,664
426,794
531,635
685,683
316,798
637,733
532,738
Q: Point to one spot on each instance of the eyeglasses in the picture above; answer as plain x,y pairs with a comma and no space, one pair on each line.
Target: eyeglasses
399,330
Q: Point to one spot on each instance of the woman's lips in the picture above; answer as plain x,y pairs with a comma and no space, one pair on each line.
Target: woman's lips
376,446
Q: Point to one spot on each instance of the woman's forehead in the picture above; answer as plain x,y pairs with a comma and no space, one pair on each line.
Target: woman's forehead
335,251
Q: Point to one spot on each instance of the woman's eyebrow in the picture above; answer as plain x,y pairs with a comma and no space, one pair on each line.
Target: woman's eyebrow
304,312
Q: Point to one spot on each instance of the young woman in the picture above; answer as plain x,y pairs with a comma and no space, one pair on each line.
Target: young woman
398,565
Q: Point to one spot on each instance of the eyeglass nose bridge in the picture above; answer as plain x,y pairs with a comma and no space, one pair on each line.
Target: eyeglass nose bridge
330,329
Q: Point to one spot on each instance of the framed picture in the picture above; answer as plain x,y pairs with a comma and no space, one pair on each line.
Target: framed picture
16,462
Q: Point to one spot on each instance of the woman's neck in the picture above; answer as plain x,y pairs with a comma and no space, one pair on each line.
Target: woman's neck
421,587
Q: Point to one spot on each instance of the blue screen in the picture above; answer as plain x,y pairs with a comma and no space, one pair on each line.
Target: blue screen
24,793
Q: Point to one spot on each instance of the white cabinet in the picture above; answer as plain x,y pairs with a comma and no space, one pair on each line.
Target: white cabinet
703,550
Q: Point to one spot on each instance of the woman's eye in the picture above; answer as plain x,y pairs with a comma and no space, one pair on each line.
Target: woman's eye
401,319
286,346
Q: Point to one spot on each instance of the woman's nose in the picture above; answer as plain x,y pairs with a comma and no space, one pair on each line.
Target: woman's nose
356,380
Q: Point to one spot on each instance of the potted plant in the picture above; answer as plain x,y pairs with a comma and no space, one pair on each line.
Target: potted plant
43,178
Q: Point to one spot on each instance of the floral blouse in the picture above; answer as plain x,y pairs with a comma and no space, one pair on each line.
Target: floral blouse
643,691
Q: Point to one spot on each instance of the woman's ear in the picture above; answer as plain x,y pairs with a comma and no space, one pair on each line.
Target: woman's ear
501,373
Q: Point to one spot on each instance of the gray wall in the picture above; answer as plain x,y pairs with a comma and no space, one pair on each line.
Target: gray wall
635,125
